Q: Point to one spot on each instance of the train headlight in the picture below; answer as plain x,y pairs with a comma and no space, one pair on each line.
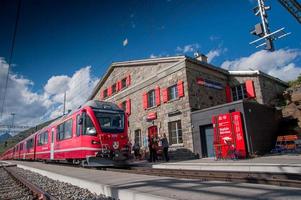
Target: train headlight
115,144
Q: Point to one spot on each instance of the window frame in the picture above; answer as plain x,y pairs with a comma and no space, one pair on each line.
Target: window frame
123,83
64,130
43,138
239,92
138,131
178,129
31,143
153,99
78,130
114,88
170,89
105,93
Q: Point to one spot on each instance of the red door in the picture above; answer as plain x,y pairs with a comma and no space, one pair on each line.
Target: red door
152,131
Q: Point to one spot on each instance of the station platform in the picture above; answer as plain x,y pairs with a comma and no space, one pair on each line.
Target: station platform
290,163
126,186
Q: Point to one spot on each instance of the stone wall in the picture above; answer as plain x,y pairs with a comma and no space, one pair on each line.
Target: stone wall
144,80
201,96
271,90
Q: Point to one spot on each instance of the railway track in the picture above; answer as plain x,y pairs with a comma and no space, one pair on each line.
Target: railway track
279,179
16,187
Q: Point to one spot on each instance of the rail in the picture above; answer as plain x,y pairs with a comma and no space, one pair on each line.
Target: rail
37,192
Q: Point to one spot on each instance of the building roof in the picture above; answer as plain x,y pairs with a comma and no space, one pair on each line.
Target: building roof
176,59
257,72
149,61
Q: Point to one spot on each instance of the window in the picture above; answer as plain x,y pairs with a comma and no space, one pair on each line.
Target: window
89,128
114,89
111,122
65,130
175,132
123,83
21,146
78,125
239,92
43,138
172,92
105,93
151,99
29,143
138,136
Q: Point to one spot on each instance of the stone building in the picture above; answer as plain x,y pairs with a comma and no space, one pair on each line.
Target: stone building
160,94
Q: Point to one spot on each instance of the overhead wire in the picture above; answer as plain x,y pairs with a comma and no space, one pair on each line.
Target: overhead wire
10,57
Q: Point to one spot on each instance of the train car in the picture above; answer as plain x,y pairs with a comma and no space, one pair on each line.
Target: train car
22,154
8,154
29,151
94,135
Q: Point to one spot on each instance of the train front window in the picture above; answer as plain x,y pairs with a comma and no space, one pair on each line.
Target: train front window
89,128
111,122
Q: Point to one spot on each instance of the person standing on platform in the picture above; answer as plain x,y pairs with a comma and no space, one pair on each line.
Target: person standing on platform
165,146
150,148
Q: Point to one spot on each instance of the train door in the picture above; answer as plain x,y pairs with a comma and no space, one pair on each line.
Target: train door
52,145
152,131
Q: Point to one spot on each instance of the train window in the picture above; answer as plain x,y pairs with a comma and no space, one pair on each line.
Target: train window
89,127
78,125
111,122
65,130
29,143
43,138
21,146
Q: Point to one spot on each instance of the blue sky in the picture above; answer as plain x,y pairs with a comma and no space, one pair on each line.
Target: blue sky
58,38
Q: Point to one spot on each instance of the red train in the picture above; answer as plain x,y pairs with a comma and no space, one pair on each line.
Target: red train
94,135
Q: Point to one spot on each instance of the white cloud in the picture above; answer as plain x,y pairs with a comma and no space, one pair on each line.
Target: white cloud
31,107
159,55
215,53
188,48
125,42
57,84
279,63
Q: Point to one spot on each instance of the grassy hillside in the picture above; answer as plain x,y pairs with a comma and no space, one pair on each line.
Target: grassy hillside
22,135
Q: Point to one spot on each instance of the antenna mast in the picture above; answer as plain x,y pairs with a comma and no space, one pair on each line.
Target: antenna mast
266,38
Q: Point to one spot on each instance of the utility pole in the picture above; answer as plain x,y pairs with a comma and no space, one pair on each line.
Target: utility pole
12,122
64,103
262,29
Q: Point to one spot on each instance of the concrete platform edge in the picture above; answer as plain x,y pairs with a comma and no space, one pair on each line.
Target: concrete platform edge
244,168
94,187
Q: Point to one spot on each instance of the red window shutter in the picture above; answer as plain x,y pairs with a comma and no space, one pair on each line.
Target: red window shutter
157,94
145,103
228,94
128,80
180,88
250,89
165,95
128,106
118,85
110,91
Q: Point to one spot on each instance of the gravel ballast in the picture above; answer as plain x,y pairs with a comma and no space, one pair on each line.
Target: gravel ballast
58,189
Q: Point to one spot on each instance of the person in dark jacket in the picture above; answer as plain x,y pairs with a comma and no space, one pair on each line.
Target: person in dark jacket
165,146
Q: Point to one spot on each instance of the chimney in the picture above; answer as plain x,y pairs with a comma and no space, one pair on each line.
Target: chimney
200,57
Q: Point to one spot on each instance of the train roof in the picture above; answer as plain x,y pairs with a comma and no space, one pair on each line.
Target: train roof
102,105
